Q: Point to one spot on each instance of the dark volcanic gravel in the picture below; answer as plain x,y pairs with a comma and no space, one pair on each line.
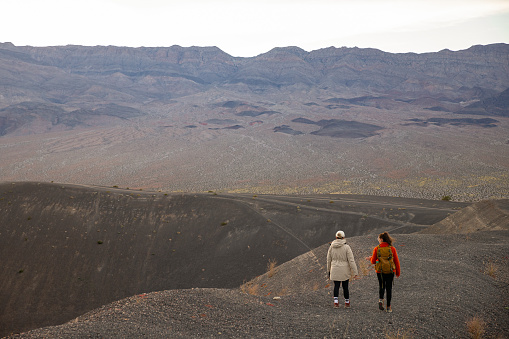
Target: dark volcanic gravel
444,284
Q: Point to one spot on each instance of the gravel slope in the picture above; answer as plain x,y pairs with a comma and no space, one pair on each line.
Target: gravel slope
444,283
68,249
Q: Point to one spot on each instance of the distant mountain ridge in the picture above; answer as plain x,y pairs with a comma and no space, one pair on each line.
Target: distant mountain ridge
87,78
479,66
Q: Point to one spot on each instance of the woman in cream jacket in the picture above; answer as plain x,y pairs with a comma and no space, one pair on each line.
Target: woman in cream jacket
341,267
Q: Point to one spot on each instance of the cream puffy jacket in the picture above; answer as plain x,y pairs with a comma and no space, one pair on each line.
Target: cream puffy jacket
340,261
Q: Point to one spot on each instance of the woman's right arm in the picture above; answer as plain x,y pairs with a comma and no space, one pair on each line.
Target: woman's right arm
329,259
372,259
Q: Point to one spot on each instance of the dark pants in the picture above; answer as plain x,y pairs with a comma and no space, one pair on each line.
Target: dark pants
337,284
385,284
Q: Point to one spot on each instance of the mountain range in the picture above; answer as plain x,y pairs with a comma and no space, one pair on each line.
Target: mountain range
203,101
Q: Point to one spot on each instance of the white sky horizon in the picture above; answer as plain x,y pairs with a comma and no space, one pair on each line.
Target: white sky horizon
246,28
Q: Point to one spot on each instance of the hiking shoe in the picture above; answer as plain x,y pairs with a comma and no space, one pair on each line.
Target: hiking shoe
381,305
389,309
347,304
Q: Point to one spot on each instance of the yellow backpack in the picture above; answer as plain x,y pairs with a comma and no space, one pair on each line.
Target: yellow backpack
385,262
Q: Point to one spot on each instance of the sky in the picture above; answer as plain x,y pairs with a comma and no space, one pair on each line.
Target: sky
246,28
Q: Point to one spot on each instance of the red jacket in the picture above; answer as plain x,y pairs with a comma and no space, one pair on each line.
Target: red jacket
394,255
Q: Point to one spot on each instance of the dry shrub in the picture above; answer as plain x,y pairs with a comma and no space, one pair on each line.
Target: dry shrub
284,291
364,267
243,287
271,267
250,288
253,289
406,334
490,268
475,327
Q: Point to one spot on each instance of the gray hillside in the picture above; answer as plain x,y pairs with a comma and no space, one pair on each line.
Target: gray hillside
484,215
69,249
443,285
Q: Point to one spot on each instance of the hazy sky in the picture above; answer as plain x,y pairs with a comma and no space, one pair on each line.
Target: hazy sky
251,27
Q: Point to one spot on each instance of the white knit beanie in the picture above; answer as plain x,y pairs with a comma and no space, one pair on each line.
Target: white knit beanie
340,234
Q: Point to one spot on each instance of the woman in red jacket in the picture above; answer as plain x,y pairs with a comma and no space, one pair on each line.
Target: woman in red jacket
385,279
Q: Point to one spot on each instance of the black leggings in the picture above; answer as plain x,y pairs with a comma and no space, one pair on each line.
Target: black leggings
385,284
346,293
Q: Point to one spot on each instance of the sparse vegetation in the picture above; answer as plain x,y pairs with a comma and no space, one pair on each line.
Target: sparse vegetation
364,267
405,334
271,267
446,198
462,186
490,268
250,288
476,327
100,242
283,291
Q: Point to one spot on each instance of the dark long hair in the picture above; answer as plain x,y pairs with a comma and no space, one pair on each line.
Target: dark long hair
386,238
